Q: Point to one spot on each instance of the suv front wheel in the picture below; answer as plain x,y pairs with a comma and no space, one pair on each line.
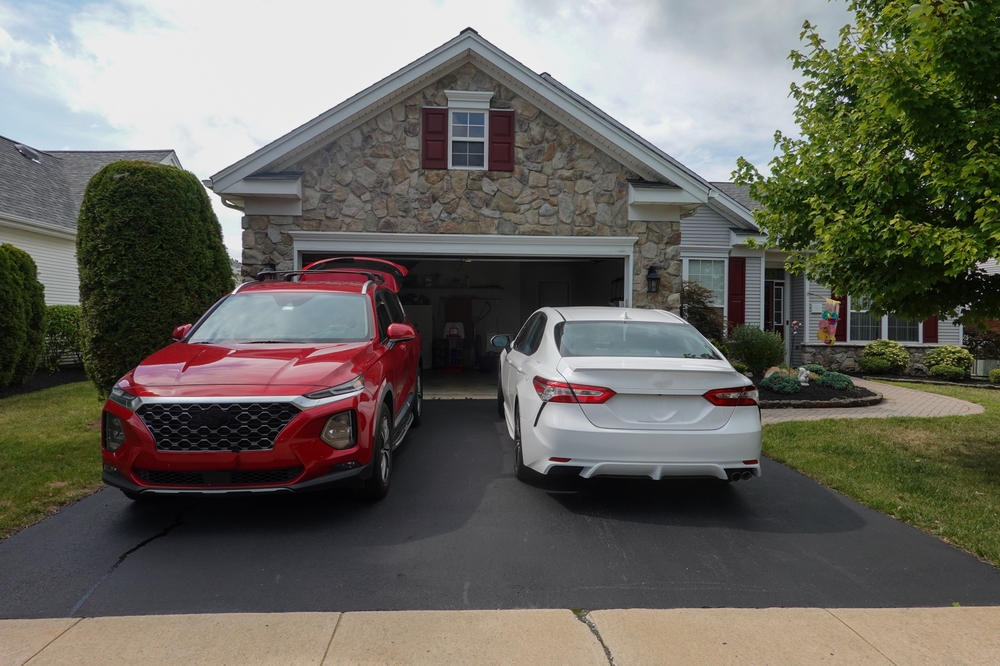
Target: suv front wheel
377,486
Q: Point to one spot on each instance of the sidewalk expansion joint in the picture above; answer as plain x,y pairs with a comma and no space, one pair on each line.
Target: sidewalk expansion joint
855,632
159,535
584,616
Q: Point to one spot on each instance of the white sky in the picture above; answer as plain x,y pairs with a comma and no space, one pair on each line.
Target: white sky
705,80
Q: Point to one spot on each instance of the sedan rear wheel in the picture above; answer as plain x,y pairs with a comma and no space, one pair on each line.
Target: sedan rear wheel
377,486
521,471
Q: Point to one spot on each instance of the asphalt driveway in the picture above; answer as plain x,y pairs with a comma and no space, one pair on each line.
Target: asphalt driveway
459,531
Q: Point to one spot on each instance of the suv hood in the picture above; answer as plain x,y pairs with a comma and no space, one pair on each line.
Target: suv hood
321,366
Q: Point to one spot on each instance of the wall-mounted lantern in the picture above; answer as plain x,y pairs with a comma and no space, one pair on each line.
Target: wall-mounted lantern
653,280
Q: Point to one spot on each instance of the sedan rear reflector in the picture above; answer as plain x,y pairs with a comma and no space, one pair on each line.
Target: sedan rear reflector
740,396
550,391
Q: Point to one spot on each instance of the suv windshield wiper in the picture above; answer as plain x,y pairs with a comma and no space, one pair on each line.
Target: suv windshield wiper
266,342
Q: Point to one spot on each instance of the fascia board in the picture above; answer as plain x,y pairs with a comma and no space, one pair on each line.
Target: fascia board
659,196
359,103
467,245
43,228
286,189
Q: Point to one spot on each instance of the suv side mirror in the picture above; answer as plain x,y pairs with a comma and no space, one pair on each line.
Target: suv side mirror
501,341
398,332
180,332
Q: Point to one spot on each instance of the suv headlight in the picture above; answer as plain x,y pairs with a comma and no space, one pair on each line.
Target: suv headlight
114,433
339,431
124,398
356,384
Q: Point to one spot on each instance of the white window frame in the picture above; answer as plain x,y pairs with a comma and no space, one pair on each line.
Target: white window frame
883,328
470,101
710,256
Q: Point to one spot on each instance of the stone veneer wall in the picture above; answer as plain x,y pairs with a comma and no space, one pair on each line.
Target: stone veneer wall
370,180
843,356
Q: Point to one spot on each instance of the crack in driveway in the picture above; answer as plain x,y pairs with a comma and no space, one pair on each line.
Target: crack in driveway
584,616
121,558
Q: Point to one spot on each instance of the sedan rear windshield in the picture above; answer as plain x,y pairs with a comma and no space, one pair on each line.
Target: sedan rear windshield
631,338
295,317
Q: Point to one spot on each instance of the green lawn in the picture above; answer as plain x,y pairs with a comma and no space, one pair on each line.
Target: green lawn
939,474
50,452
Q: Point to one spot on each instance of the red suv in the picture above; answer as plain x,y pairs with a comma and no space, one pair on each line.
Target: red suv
298,381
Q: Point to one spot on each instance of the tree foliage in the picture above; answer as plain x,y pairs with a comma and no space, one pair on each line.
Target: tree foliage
697,309
22,312
893,190
151,257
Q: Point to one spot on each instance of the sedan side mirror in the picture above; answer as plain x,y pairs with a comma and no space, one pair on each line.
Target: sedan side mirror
181,332
500,341
398,332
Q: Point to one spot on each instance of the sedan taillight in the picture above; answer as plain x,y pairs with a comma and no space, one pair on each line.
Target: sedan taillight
740,396
550,391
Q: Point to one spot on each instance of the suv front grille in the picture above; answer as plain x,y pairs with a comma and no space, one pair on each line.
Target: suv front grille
221,478
209,426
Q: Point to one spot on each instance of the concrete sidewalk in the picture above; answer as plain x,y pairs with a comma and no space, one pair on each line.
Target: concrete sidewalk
774,636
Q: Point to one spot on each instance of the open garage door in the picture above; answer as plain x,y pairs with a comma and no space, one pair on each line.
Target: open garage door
463,290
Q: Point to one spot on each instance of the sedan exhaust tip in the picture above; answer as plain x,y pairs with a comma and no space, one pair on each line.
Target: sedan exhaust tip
747,475
736,476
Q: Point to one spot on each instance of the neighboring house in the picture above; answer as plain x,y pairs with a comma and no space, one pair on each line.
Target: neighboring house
503,190
40,197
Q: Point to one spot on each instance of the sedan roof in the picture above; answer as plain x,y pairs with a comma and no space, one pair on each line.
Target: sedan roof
617,314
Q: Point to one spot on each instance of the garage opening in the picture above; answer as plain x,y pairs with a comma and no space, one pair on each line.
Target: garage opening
459,304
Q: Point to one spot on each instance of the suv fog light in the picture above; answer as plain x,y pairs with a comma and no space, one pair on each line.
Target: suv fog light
114,434
339,431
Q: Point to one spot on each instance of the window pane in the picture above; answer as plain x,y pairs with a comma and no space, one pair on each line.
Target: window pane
461,118
902,330
476,160
460,131
476,131
475,148
710,274
864,326
477,119
459,159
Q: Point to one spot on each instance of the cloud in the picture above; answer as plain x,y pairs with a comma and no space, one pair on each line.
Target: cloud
706,82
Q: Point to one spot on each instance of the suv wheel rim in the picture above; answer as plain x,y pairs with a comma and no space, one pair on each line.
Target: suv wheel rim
419,403
383,462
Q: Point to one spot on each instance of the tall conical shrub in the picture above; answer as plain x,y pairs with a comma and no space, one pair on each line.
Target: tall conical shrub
151,257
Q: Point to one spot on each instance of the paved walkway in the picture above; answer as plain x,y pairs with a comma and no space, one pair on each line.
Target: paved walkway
775,636
898,402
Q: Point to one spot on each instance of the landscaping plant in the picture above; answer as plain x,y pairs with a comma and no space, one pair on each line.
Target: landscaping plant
151,258
949,373
891,351
697,309
995,376
815,368
62,337
835,380
757,349
949,355
875,365
781,384
22,316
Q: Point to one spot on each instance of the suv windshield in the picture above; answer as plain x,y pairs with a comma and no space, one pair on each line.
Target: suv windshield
287,316
631,338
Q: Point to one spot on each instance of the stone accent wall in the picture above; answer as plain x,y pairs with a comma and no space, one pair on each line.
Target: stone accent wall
843,356
370,180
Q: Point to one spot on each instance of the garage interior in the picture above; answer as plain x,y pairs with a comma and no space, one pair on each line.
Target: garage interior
458,304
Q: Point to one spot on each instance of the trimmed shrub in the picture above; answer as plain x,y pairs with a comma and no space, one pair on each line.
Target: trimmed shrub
891,351
875,365
758,349
815,368
721,346
151,258
62,337
995,376
697,309
780,384
952,355
22,316
949,373
741,367
835,380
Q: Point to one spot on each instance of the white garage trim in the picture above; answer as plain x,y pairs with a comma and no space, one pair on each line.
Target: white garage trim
469,246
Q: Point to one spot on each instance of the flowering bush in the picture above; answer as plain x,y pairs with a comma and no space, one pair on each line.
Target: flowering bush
949,355
890,350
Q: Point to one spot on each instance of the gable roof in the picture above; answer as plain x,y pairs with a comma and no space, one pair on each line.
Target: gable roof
542,90
49,191
738,193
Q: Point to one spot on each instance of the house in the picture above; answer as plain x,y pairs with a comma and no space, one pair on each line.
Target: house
502,190
40,197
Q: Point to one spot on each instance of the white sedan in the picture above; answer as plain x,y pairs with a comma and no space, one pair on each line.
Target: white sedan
594,391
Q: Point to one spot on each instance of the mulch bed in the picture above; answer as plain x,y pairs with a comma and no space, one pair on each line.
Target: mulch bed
44,379
815,395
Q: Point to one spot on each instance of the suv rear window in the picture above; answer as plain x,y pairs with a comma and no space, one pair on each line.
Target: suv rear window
287,316
631,338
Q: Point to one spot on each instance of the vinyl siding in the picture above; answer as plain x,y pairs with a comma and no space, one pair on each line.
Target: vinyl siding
754,297
705,228
56,261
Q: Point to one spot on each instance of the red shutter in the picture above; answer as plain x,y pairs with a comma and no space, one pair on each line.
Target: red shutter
501,140
841,318
931,330
435,139
737,298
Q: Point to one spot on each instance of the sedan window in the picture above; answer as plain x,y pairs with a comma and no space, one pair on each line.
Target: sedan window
631,338
285,316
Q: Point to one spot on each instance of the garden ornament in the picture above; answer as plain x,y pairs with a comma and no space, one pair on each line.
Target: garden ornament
803,377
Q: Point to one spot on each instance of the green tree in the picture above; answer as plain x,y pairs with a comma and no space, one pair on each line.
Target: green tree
893,190
33,302
151,257
13,319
